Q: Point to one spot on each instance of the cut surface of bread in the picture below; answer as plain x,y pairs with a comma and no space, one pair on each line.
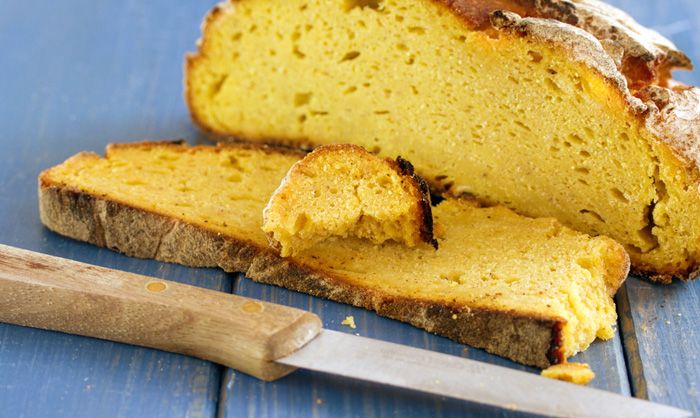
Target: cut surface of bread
343,190
563,109
527,289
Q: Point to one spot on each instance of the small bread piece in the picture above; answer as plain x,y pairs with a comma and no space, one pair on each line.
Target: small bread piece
527,289
558,108
343,190
579,373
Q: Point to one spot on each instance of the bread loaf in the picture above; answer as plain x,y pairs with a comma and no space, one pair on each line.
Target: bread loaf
343,190
527,289
553,108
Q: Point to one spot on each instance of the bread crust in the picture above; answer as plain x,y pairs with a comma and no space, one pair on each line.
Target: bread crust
425,212
528,339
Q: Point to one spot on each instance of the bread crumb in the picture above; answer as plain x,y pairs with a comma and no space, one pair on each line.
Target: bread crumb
438,231
454,316
319,401
579,373
349,321
668,322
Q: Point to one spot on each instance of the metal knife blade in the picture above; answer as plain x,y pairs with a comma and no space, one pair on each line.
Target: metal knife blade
268,340
441,374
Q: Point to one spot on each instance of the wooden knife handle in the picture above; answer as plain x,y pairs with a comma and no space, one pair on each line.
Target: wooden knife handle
42,291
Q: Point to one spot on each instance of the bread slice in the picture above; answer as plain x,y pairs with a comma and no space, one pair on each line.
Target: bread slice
343,190
553,108
527,289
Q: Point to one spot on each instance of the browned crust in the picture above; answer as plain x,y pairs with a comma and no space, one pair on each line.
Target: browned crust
646,57
524,338
405,169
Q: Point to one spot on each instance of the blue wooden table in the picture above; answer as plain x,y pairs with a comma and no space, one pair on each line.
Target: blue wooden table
78,74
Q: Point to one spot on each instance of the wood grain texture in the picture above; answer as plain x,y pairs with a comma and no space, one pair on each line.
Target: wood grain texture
78,74
41,291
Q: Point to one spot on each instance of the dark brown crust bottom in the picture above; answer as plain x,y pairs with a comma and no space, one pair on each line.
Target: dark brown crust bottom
526,339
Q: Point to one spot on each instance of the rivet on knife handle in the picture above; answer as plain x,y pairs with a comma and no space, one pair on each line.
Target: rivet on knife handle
47,292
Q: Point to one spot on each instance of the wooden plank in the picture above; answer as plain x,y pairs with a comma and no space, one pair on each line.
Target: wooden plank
665,322
77,75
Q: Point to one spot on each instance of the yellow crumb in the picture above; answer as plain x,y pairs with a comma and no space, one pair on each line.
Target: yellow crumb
579,373
438,230
349,321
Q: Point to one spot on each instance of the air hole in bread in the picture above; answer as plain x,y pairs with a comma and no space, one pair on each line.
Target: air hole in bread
350,56
617,194
417,29
535,56
233,162
552,85
169,157
582,170
300,222
522,125
593,215
575,139
297,53
216,86
351,4
300,99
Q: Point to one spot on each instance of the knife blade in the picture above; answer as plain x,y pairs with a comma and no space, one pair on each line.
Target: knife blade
267,340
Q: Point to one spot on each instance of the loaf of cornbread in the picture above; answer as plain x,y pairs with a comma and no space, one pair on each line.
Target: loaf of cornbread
527,289
343,190
564,109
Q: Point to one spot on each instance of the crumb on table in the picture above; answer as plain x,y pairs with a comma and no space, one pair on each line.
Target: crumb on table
349,321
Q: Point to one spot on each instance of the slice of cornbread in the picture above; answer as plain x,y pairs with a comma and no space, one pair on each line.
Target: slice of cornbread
527,289
343,190
552,108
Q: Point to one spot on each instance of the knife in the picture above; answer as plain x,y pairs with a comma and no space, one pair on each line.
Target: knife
267,340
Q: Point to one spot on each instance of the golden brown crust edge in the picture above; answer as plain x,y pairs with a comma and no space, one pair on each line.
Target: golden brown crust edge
422,194
527,339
